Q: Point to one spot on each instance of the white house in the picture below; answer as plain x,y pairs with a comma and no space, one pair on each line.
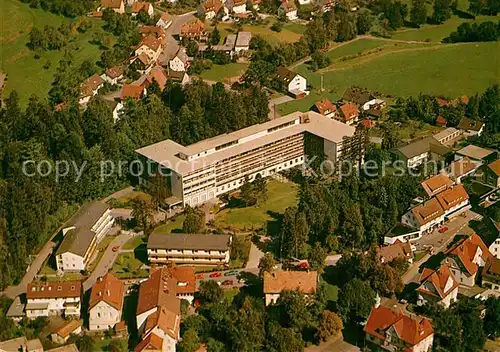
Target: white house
117,6
44,299
165,21
437,286
236,6
90,88
276,282
243,42
464,258
288,9
326,108
142,6
211,8
158,312
116,108
420,152
424,217
304,2
180,61
81,236
106,303
113,75
293,82
471,127
151,46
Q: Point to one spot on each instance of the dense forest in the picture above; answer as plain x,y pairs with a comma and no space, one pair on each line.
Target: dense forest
32,207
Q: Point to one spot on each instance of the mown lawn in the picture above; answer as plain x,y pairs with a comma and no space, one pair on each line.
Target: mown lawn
279,197
448,70
128,266
356,47
289,33
134,242
26,75
173,225
220,72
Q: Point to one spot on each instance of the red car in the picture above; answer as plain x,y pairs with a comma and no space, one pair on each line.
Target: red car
213,275
443,229
199,276
303,265
115,248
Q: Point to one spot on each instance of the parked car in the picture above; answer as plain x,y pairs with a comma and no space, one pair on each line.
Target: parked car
227,282
199,276
115,248
303,265
213,275
231,273
443,229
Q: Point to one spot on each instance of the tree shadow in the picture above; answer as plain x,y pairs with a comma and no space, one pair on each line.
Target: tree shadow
353,333
141,253
129,315
433,262
462,14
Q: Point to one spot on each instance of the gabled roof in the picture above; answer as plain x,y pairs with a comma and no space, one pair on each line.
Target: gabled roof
195,27
181,54
491,270
159,290
63,289
288,6
285,74
349,110
410,330
357,96
113,4
157,74
436,184
470,125
396,250
461,167
91,84
441,121
303,281
114,72
428,211
131,91
438,278
452,197
151,41
475,152
495,167
421,146
158,32
324,105
166,320
212,5
165,17
152,342
367,123
185,277
107,289
79,239
140,6
68,328
465,250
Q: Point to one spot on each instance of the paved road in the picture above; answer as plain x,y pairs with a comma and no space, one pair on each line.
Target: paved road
107,260
439,241
254,257
335,345
171,45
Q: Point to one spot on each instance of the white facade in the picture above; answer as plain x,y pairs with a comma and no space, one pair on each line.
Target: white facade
113,81
103,316
417,160
297,83
151,54
292,15
68,262
44,307
409,219
150,12
193,257
116,112
240,8
447,300
495,248
164,23
141,319
176,64
304,2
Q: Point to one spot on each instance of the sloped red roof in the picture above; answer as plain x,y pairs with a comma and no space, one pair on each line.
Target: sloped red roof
212,5
158,290
325,105
428,211
465,250
452,197
151,41
192,28
108,289
131,91
157,74
152,342
349,110
410,330
441,121
140,6
367,123
495,167
166,320
63,289
186,281
436,184
438,278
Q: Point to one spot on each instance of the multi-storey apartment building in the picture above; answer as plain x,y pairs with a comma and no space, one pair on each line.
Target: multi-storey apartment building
53,298
204,170
81,236
191,249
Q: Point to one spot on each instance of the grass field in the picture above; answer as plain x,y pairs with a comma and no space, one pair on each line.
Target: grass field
134,242
279,197
220,72
355,47
26,74
450,70
174,225
290,33
127,266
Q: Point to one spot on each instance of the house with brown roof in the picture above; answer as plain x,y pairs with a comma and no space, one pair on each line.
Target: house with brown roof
158,312
461,168
132,91
158,75
471,127
393,330
464,258
63,332
186,282
276,282
211,8
396,250
44,299
420,151
82,234
357,96
424,217
288,9
106,303
90,87
113,75
492,173
292,82
436,184
117,6
165,21
142,6
326,108
150,45
193,30
180,77
437,286
453,200
448,136
349,114
491,274
477,154
440,121
191,249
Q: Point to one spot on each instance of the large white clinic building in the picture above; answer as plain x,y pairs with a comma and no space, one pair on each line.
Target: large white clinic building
204,170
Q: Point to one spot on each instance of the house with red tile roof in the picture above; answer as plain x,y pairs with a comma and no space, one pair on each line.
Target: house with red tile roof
211,8
288,9
436,184
440,121
193,30
62,333
453,200
437,286
113,75
392,330
165,21
465,257
158,312
186,282
152,46
397,250
142,6
44,299
158,75
276,282
106,303
326,108
425,217
117,6
89,88
132,91
349,113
